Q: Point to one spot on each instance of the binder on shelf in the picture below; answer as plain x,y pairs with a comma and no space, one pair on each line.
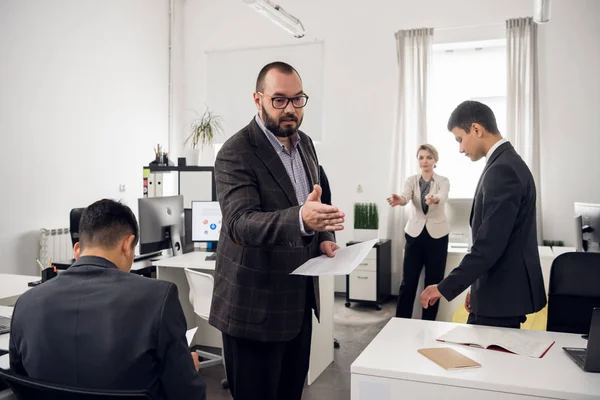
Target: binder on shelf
158,184
151,184
145,182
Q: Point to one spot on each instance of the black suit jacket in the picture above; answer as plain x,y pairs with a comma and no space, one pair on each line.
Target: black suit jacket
94,326
503,266
254,296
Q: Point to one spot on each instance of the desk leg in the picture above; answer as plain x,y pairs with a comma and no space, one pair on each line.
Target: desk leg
321,347
206,334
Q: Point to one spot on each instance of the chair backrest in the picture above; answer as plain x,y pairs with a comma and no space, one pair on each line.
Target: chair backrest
201,289
74,218
27,388
574,292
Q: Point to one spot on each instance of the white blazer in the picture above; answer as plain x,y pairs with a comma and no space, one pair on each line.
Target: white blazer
435,219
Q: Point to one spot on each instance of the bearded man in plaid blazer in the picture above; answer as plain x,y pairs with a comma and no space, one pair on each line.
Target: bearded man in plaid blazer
267,182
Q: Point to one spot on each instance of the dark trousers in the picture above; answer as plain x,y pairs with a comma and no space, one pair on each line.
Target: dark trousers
268,371
418,252
500,322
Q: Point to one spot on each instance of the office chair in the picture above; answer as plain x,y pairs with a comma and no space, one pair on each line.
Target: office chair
74,218
201,289
574,292
27,388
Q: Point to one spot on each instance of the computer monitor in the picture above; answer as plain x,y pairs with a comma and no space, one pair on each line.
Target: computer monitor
162,224
206,222
590,226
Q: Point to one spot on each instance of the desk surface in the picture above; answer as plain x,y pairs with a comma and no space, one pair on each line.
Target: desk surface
5,312
12,286
393,354
558,250
194,260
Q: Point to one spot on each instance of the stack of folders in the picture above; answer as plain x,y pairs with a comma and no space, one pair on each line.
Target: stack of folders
449,359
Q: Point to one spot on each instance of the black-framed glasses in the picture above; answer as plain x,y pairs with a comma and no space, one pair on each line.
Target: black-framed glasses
281,102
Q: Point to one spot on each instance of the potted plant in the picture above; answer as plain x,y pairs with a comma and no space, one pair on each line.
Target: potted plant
366,221
202,133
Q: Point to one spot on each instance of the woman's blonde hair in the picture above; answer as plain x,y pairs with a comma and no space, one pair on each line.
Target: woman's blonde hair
431,149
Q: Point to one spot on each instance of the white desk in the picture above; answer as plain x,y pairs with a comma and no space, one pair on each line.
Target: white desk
12,286
4,360
558,250
391,368
455,255
171,269
321,355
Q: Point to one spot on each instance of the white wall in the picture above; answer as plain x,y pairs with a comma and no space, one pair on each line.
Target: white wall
570,113
83,100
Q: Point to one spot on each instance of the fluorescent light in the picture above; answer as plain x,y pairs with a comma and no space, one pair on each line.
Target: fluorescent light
278,15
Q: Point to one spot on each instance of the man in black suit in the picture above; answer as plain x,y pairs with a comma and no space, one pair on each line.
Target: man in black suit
97,326
267,179
503,267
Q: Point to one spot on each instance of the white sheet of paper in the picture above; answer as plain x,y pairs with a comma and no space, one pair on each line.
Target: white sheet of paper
189,335
344,262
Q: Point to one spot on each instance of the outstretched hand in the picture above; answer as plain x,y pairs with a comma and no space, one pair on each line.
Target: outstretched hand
321,217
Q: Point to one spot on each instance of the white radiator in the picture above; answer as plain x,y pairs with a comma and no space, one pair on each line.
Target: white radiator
55,245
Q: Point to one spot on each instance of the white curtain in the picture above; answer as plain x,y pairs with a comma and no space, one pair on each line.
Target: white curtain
414,50
522,99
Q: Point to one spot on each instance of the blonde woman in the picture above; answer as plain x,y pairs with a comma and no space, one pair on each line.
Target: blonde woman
426,231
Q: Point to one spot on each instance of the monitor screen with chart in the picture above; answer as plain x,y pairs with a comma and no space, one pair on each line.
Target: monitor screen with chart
206,221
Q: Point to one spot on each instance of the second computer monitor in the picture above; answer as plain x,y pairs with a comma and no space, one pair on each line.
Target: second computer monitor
206,221
588,226
161,224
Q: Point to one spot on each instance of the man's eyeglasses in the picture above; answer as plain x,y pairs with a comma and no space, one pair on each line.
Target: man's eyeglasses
281,102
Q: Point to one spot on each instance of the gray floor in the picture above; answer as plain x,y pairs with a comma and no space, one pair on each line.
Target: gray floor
334,382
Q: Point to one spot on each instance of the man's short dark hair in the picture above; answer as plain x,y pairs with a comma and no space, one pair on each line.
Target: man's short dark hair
279,66
470,112
105,223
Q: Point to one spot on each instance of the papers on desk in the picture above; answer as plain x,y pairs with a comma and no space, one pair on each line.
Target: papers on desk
513,341
345,261
189,335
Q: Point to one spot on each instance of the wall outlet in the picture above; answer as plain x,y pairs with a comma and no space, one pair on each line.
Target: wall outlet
122,188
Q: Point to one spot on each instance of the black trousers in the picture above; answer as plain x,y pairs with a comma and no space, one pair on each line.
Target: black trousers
500,322
268,370
418,252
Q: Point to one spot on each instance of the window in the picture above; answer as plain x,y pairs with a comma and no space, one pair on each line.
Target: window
464,71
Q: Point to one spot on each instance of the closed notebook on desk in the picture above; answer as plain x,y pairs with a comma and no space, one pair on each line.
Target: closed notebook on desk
448,358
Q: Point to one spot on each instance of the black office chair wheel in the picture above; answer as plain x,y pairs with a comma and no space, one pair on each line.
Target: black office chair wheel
347,304
378,307
225,384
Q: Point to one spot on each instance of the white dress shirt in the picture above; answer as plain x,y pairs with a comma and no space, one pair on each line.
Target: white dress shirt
494,147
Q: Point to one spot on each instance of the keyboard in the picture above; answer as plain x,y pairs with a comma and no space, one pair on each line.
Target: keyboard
4,325
577,355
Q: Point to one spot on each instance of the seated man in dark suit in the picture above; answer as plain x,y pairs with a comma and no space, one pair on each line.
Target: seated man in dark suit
96,326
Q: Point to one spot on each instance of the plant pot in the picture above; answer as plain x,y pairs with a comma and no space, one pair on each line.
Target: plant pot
202,156
363,235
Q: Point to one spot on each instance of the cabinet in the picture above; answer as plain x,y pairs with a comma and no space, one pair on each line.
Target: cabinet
370,282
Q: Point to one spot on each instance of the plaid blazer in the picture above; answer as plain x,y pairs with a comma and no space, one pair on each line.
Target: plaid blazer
254,296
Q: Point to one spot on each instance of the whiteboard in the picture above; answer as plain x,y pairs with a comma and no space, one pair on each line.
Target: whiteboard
231,80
